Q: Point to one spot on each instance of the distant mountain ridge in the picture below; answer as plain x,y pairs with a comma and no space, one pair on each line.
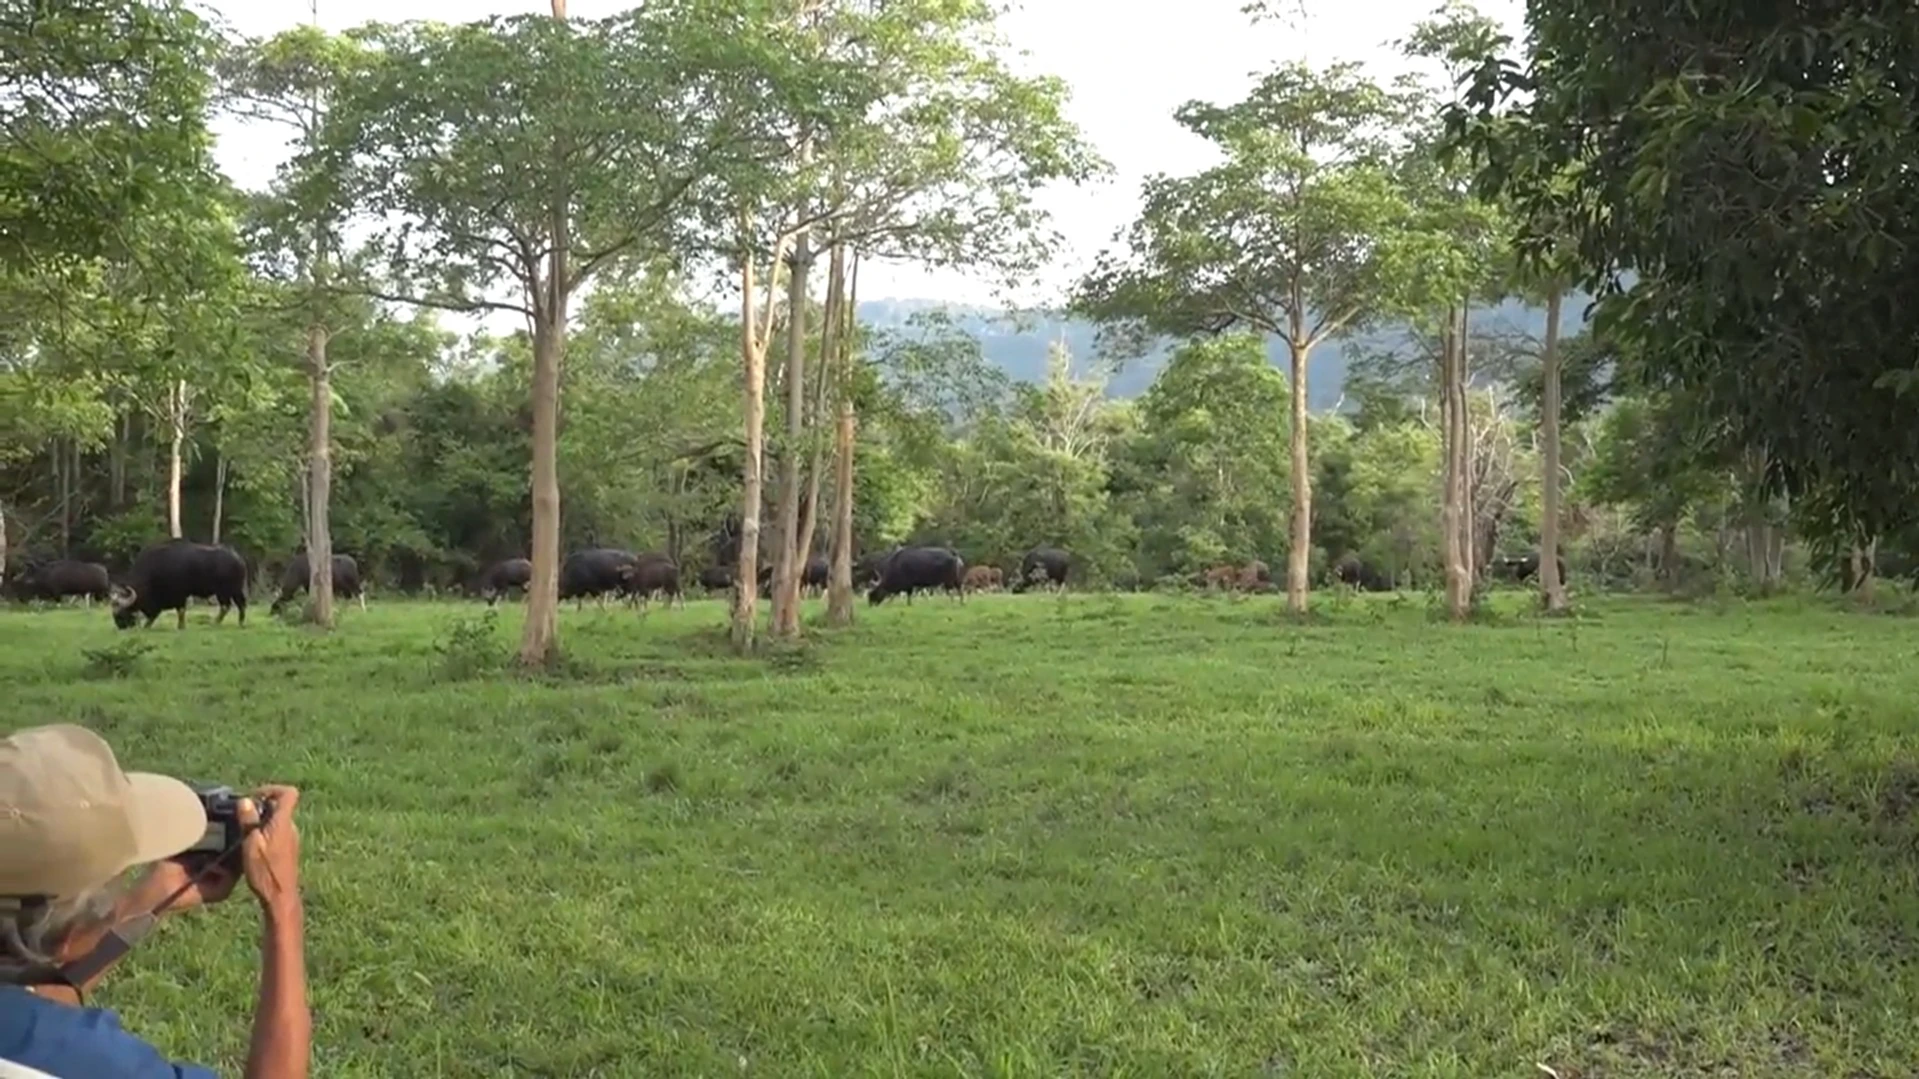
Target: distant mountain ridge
1016,343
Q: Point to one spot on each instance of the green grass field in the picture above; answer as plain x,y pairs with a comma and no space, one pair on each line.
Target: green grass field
1112,836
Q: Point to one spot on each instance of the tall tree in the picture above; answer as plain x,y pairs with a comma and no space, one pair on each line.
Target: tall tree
288,81
839,602
929,150
790,557
1747,165
756,332
942,172
510,160
1463,257
1298,233
1507,151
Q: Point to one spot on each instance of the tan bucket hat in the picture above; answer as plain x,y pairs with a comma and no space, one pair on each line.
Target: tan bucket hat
71,820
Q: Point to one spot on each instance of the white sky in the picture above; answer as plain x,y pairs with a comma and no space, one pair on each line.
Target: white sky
1127,70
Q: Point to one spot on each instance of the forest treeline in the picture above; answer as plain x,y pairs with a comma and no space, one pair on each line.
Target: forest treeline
265,369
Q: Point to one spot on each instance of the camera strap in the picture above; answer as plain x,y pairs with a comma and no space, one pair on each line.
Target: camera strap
124,935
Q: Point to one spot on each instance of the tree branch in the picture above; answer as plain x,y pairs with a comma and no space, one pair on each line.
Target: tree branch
463,307
1329,327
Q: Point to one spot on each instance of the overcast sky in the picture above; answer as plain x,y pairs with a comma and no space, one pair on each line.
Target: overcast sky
1127,71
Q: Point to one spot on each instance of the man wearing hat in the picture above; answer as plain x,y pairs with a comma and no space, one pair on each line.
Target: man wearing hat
72,826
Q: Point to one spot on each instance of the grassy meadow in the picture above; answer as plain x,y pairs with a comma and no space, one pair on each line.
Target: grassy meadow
1029,836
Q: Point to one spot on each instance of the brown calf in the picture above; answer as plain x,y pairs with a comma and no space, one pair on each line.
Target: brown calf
984,579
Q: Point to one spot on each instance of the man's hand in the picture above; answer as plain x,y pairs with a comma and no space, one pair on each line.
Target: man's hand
203,882
270,853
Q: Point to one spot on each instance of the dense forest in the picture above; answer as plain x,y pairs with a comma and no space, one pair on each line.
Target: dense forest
1361,337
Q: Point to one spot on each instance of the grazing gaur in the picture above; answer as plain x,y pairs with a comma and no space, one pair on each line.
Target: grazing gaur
1523,567
1253,576
914,569
62,577
596,571
507,575
346,580
1355,572
1224,578
651,575
984,578
716,578
165,576
1043,566
814,577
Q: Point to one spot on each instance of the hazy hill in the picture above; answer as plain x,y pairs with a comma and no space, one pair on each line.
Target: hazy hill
1019,347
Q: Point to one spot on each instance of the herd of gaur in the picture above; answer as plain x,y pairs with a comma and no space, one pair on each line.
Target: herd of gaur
167,576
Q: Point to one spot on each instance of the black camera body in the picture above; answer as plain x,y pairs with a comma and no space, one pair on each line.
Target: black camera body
224,830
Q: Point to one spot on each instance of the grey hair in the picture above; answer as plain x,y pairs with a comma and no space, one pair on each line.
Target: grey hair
31,935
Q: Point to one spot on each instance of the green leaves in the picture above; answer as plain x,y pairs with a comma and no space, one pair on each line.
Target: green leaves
1748,166
104,124
461,142
1210,464
1296,233
925,146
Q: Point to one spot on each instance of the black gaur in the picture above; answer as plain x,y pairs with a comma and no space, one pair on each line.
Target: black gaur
596,571
165,576
1523,567
296,579
915,569
507,575
716,578
651,575
1043,566
55,580
1355,572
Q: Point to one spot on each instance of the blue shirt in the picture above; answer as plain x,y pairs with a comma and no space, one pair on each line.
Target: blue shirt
78,1043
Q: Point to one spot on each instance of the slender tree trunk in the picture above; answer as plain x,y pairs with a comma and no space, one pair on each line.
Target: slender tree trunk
1759,551
746,582
63,495
541,633
1468,451
1552,590
319,490
831,375
1669,554
814,415
1299,551
219,494
839,599
3,545
542,630
791,560
303,485
839,596
1454,522
117,462
178,418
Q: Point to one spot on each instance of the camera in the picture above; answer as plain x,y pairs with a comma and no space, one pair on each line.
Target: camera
224,830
